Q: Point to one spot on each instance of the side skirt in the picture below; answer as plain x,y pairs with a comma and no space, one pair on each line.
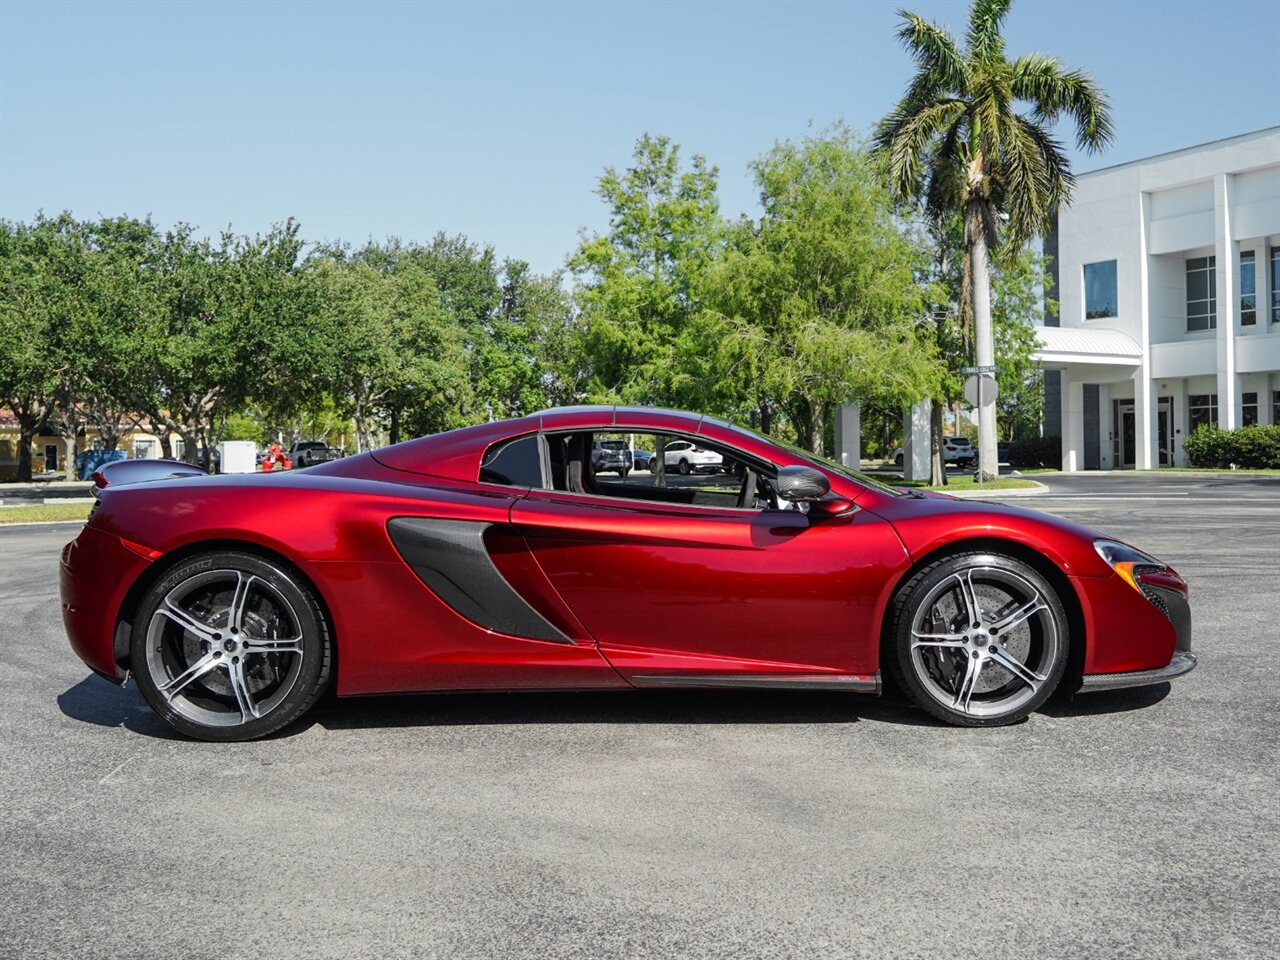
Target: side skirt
793,681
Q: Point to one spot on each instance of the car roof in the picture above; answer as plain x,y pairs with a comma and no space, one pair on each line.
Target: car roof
456,454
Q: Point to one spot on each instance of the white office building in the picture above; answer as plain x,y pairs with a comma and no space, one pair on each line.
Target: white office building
1168,278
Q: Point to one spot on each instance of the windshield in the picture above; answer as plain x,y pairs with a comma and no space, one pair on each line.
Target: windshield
831,465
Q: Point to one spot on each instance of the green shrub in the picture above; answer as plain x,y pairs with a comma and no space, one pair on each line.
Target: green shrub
1036,452
1253,448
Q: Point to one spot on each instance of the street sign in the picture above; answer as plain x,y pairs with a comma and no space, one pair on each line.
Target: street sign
980,390
985,368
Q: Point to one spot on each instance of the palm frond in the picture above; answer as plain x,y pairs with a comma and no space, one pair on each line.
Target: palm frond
908,150
983,36
941,63
1051,89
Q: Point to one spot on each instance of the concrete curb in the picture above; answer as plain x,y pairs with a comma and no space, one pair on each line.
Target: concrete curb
1039,490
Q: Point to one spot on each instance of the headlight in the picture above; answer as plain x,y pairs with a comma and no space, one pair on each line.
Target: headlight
1128,562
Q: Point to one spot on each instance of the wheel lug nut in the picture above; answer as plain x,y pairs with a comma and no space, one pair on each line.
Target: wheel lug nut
991,649
976,654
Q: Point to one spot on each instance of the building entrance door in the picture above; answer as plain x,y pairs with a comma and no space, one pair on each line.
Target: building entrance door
50,457
1165,420
1127,444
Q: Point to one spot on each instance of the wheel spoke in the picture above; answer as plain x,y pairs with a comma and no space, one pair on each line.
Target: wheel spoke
185,620
198,669
1017,668
970,596
1022,614
973,667
239,600
240,687
937,639
272,644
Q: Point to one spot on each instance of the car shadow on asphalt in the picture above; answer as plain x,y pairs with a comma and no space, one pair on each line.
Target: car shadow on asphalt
103,704
98,702
623,707
1106,701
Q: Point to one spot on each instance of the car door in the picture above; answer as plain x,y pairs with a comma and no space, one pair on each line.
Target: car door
681,589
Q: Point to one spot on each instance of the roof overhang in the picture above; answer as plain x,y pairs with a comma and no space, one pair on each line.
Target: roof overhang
1061,347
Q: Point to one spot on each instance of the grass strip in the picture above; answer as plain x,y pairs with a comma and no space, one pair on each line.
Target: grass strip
44,512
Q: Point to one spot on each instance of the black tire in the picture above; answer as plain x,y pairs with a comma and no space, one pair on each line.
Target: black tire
653,465
623,473
897,459
684,467
187,633
936,654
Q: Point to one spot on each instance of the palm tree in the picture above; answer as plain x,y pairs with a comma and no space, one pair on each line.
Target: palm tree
973,134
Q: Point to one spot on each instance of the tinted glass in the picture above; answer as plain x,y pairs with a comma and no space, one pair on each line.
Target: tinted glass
516,463
1100,289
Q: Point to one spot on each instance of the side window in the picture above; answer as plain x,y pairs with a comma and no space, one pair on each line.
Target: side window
627,465
514,463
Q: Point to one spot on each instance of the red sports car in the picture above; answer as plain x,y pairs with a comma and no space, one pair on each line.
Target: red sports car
493,558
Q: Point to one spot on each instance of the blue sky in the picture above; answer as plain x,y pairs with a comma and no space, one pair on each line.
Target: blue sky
495,119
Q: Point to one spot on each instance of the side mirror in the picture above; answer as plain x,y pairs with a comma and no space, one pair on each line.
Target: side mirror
800,483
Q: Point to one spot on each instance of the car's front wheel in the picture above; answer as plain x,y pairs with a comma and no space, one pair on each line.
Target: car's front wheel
684,467
229,646
979,639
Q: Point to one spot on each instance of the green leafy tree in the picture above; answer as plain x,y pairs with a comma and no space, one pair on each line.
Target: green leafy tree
642,286
32,303
819,301
973,134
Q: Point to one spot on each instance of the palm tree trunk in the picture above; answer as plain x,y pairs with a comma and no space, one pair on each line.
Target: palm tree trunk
937,468
984,340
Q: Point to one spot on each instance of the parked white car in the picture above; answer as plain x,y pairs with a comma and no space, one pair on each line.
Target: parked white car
682,456
957,450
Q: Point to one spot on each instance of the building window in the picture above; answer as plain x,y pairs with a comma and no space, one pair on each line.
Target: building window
1202,293
1275,284
1248,409
1275,406
1202,410
1100,290
1248,290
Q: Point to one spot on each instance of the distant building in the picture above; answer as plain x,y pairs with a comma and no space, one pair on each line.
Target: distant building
1167,271
51,454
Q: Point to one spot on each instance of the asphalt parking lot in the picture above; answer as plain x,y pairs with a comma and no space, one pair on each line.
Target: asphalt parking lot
689,824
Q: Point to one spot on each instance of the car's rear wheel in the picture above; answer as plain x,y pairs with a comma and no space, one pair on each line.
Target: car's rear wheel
229,646
979,639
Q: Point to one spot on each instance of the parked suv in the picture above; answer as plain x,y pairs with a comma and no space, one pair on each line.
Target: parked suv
683,456
306,453
957,450
610,456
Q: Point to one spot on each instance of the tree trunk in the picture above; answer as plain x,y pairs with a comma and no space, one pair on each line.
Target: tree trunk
26,436
395,425
766,417
817,425
937,466
983,337
69,455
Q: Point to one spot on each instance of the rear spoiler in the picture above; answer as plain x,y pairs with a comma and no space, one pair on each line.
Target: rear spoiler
120,472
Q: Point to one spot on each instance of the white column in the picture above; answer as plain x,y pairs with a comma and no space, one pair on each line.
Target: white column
915,441
1227,254
849,434
1145,411
1072,424
1144,408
